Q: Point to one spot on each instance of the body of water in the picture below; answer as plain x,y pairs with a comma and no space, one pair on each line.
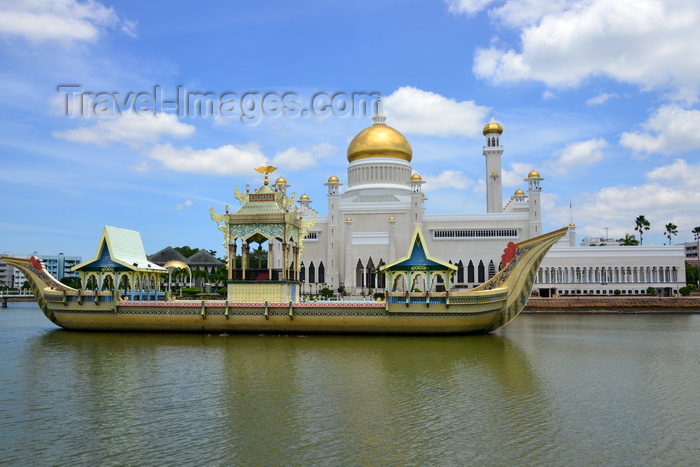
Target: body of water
545,389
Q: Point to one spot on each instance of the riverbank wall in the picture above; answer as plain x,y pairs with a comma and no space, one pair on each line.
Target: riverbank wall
576,304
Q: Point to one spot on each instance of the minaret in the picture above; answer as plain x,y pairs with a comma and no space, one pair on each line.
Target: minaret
533,194
335,237
493,151
572,234
417,199
572,227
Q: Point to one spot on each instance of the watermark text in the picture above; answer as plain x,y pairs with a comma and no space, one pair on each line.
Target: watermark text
249,107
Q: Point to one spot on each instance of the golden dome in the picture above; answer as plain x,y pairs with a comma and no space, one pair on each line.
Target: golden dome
572,225
304,198
379,140
493,127
416,177
533,174
175,264
281,181
349,219
333,179
519,193
391,219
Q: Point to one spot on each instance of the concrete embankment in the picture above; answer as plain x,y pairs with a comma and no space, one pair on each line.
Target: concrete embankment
613,305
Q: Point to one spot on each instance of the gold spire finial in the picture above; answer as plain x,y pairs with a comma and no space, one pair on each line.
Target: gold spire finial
267,170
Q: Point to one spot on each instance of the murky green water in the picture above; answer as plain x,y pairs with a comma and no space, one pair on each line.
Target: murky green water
552,390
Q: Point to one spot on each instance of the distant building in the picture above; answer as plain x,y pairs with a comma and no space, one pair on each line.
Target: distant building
6,274
19,279
59,266
691,252
599,241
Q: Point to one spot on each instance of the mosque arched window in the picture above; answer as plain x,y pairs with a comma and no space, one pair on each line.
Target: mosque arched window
381,278
359,274
371,277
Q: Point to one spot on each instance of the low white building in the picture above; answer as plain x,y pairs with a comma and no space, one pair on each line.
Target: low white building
601,270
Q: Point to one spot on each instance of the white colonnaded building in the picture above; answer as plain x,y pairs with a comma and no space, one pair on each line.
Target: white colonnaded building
371,221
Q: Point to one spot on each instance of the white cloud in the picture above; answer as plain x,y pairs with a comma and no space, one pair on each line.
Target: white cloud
224,160
519,13
516,176
186,203
680,173
415,111
141,167
295,159
129,27
579,154
130,129
468,7
601,98
62,20
448,179
670,130
234,159
643,42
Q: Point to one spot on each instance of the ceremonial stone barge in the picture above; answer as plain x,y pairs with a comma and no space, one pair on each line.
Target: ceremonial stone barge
122,290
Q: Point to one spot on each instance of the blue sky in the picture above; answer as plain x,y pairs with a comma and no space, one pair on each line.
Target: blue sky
600,97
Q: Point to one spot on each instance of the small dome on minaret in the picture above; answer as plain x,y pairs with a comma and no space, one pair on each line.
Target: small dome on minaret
493,127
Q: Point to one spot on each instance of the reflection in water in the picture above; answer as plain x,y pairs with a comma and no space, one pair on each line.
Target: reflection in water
581,389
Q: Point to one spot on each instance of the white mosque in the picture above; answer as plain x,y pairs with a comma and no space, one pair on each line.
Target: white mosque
370,222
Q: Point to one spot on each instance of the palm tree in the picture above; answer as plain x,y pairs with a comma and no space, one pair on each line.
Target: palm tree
629,240
641,224
671,230
200,278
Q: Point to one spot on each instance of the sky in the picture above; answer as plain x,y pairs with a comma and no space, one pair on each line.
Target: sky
600,97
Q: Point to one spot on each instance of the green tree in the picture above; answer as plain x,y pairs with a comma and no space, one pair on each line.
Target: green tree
221,274
671,230
200,277
629,240
186,251
73,282
696,232
641,224
691,274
